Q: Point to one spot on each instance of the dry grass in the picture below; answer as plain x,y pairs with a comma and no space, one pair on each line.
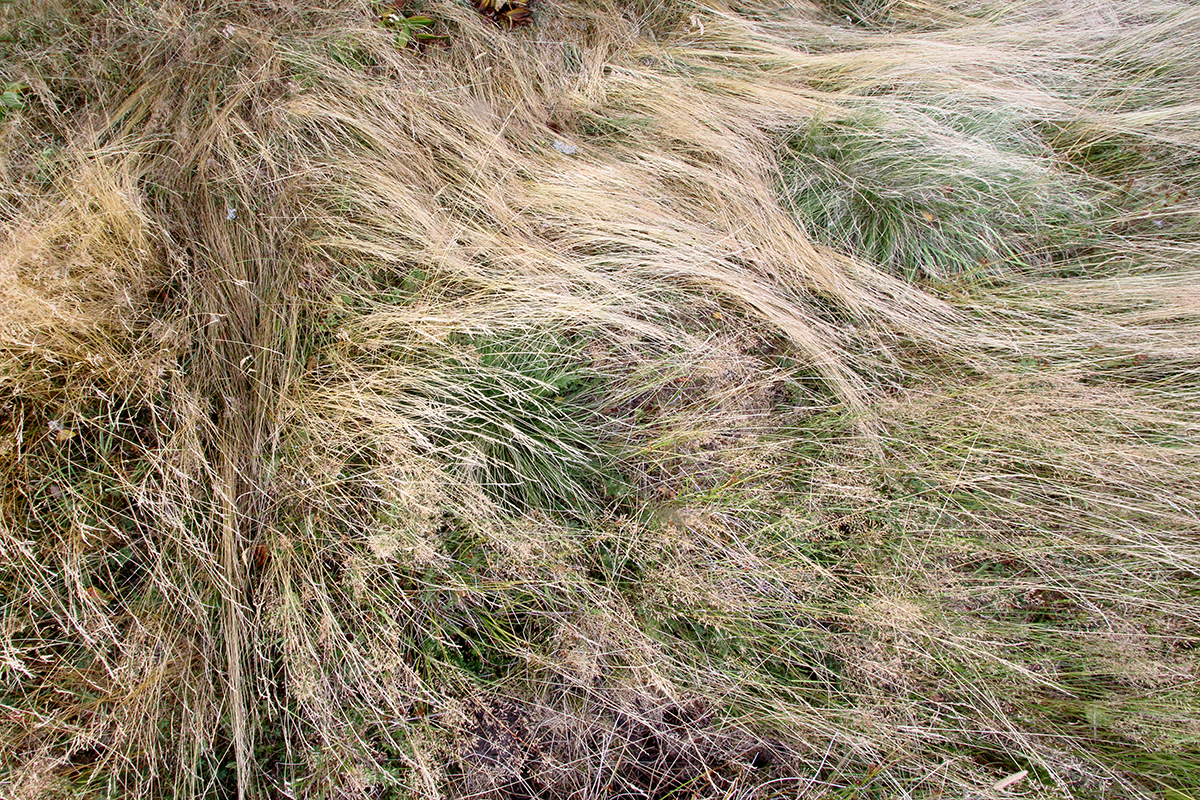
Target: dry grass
663,400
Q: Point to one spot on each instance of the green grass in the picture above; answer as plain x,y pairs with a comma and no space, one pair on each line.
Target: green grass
944,201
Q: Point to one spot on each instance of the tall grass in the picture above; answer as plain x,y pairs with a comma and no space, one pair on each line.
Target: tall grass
662,400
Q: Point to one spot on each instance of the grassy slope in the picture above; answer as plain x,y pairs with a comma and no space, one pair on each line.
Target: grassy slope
824,425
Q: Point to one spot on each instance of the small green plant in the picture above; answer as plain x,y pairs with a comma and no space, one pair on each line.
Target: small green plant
409,30
11,97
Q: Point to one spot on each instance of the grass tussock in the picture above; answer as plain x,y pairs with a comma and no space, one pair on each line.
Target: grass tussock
658,400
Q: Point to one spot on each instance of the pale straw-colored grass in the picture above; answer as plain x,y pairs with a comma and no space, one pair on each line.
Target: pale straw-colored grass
664,400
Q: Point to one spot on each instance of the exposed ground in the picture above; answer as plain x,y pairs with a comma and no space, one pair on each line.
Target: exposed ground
658,400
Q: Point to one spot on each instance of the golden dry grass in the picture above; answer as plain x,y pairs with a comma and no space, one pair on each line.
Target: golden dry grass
663,400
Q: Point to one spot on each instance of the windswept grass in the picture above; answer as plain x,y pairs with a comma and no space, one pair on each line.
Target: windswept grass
661,400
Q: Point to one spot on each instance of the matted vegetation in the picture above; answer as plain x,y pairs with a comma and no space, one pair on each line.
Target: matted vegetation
657,400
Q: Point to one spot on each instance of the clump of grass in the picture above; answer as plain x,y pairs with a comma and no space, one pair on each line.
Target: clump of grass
358,441
511,410
943,199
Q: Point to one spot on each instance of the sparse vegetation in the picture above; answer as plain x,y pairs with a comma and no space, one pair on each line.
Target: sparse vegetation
662,400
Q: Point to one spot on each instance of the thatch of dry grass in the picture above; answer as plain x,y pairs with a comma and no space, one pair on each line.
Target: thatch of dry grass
662,400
